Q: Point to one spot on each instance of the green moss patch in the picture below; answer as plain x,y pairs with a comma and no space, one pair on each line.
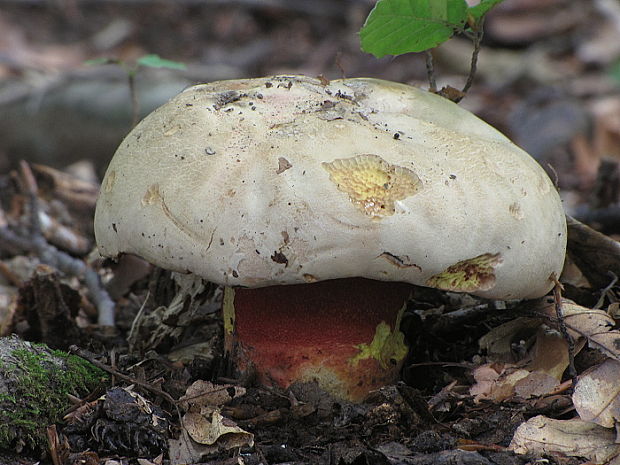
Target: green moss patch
34,386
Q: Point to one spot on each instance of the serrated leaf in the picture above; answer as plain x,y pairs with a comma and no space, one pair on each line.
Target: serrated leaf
482,8
155,61
394,27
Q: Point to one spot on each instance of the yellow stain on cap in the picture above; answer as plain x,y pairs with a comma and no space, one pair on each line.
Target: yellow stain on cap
372,184
473,274
110,179
152,195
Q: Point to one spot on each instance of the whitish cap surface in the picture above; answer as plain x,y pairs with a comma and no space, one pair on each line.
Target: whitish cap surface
289,179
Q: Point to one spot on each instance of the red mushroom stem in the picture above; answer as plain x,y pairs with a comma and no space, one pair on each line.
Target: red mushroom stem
342,333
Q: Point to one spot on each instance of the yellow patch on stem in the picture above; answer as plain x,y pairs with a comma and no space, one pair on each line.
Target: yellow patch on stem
387,346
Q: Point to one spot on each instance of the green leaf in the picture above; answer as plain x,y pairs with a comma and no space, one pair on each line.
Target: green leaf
482,8
154,61
394,27
101,61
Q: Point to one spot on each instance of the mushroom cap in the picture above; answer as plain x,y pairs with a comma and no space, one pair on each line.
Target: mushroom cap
291,179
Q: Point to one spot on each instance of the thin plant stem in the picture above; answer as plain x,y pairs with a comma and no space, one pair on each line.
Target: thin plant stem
430,72
477,39
135,104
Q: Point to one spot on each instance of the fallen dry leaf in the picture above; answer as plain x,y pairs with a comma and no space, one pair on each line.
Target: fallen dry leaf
496,382
183,450
548,358
550,354
156,461
202,437
595,326
217,431
538,376
535,384
182,309
575,438
206,394
597,394
498,341
510,381
486,377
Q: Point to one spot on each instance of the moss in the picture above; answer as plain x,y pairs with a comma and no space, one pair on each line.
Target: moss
81,373
39,381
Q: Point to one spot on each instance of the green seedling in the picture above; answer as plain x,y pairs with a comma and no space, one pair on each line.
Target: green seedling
145,61
395,27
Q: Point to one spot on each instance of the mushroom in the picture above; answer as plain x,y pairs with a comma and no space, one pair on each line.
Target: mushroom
318,205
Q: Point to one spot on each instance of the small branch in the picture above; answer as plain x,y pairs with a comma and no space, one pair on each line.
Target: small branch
68,265
105,305
91,358
53,443
50,255
430,72
448,321
477,39
31,188
338,62
605,291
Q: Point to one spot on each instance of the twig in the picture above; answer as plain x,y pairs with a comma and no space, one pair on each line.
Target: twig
448,321
51,256
559,312
91,358
477,39
338,62
8,274
430,72
147,387
560,388
53,443
105,305
134,324
62,261
31,188
606,290
465,365
556,178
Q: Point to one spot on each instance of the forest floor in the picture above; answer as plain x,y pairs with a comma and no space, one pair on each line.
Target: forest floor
548,77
